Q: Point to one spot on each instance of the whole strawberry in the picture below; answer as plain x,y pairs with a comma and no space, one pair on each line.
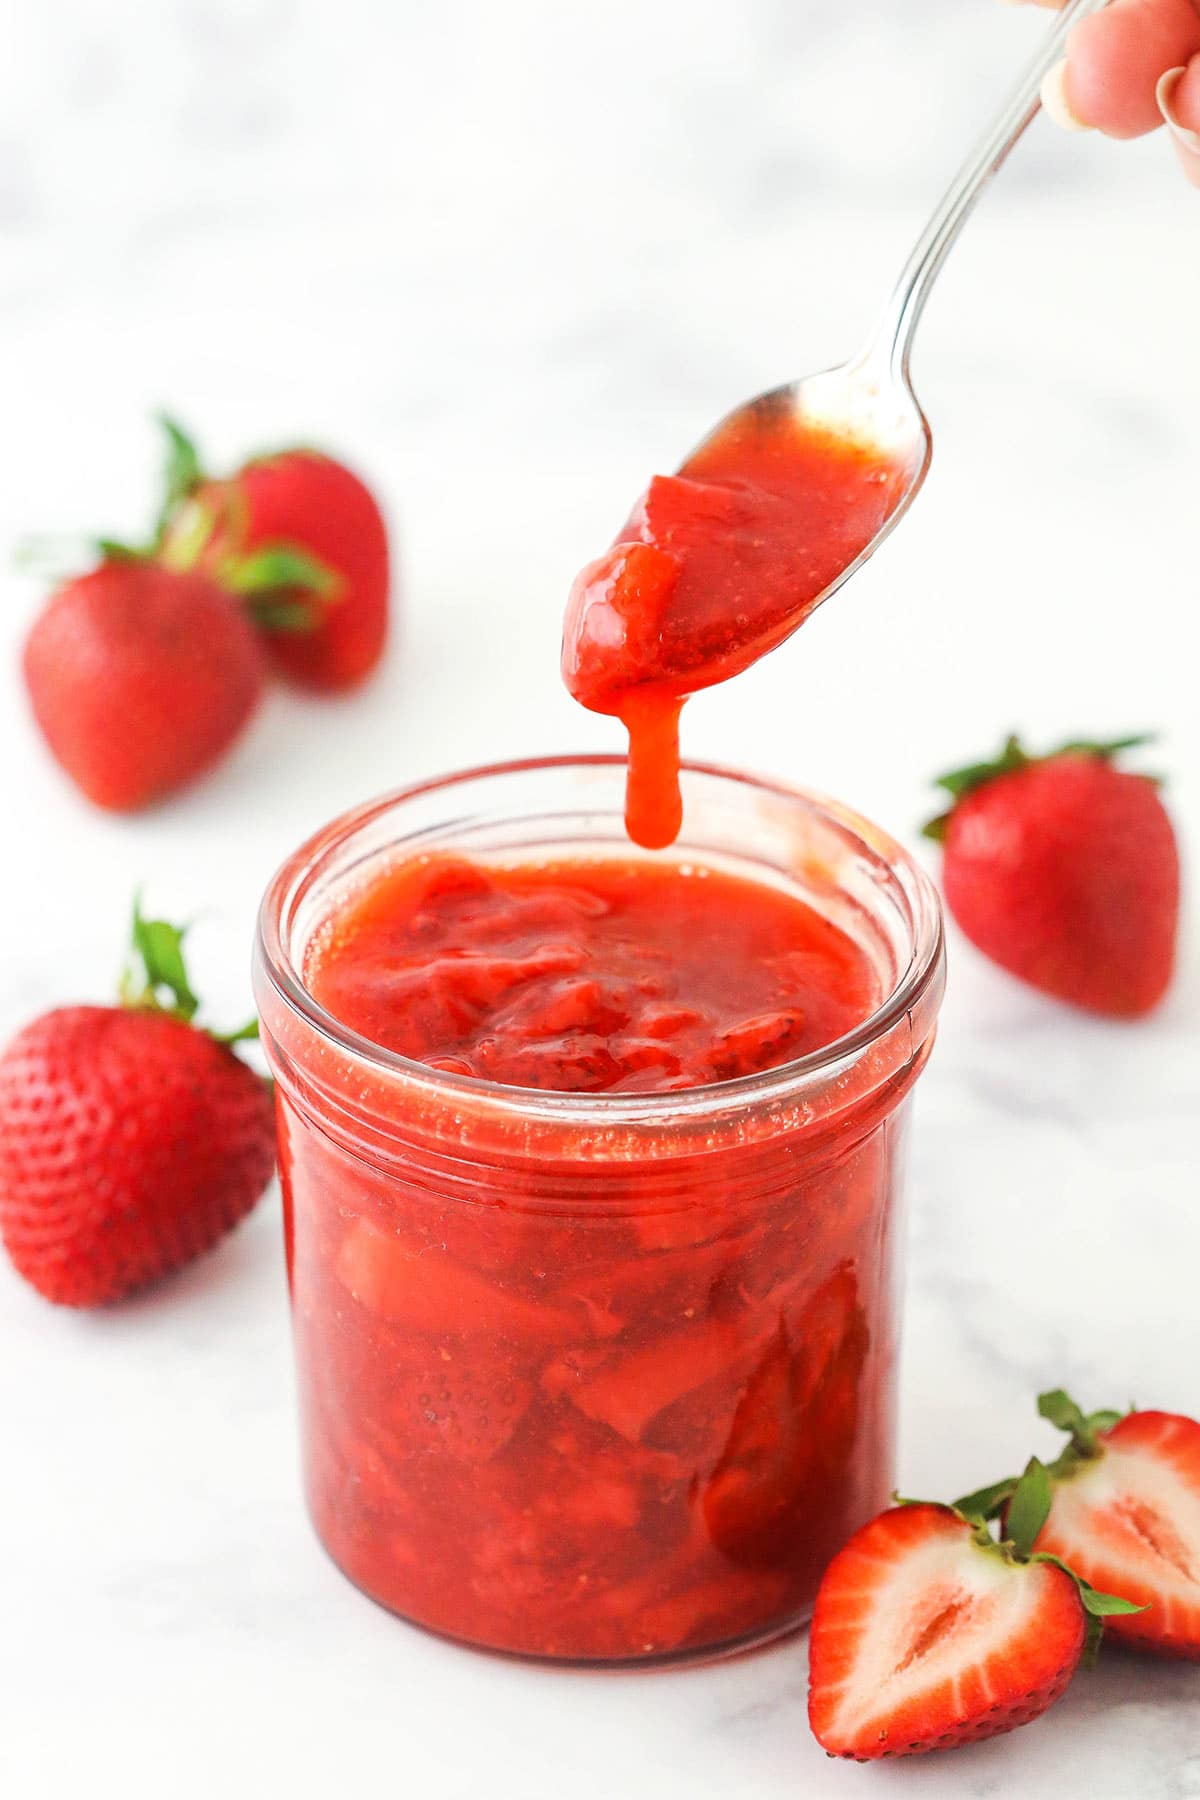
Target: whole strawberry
928,1632
1064,869
140,678
130,1139
301,541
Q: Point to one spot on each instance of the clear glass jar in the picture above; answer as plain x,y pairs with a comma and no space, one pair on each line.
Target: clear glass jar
605,1378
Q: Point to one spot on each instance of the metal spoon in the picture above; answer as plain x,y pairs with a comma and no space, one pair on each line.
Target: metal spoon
871,397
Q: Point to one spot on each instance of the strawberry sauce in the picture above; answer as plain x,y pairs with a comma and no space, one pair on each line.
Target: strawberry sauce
716,566
588,977
606,1401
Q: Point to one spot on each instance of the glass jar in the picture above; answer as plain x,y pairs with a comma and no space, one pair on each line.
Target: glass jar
605,1378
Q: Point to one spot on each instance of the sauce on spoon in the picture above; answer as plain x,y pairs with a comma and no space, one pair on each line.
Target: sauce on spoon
716,566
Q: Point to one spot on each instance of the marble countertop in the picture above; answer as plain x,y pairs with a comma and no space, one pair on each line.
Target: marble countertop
511,258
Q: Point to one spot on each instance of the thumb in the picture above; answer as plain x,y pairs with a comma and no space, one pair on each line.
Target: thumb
1178,95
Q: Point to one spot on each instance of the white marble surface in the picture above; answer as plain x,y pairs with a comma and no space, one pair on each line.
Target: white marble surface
512,257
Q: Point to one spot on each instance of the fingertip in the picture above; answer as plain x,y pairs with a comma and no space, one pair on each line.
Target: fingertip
1057,101
1185,100
1178,98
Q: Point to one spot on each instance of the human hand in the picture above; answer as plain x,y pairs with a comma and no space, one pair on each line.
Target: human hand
1128,70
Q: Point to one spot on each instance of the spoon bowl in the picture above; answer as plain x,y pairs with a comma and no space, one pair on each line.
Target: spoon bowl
860,402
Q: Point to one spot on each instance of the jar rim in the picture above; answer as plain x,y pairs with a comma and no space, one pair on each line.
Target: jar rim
918,982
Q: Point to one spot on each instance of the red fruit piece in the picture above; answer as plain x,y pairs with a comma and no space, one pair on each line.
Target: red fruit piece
1126,1515
793,1431
925,1637
140,678
616,609
410,1284
130,1140
758,1043
300,538
1065,870
471,1411
640,1384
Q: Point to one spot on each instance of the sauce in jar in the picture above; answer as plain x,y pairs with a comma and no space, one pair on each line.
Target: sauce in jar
590,1398
595,976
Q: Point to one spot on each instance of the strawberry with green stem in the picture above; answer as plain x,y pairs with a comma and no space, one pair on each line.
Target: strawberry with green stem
299,541
928,1632
1064,869
131,1139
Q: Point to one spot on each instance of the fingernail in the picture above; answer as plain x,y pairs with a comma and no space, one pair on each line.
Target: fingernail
1164,93
1054,99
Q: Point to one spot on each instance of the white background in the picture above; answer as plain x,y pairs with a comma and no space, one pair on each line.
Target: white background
510,258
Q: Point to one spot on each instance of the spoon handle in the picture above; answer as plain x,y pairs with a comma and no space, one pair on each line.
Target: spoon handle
892,338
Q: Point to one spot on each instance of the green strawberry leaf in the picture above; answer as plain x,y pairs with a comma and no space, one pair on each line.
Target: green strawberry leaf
245,1034
285,588
1029,1507
1060,1410
958,782
182,472
158,945
1096,1605
1105,1606
1105,1419
116,550
986,1503
1058,1407
279,566
1106,748
155,976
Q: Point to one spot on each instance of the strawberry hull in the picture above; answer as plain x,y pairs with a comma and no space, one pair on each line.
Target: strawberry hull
594,1378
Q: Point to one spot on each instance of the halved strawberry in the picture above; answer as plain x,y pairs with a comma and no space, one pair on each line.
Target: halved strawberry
927,1633
1126,1514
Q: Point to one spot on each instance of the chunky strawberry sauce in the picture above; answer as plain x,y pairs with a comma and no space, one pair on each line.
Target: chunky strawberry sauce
578,1393
716,566
589,977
